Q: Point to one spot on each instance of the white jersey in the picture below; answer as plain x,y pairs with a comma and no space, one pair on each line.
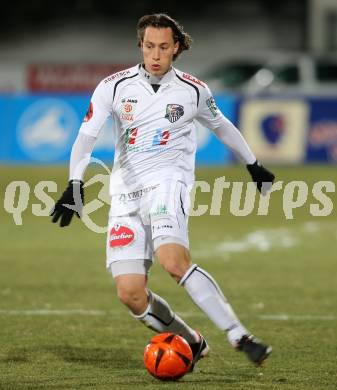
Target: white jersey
154,126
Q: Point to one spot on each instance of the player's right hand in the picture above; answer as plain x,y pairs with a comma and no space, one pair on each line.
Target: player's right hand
70,202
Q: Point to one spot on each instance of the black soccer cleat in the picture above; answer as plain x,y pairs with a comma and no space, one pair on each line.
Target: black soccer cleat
255,350
199,350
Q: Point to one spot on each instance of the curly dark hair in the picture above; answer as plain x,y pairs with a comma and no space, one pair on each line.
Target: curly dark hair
163,21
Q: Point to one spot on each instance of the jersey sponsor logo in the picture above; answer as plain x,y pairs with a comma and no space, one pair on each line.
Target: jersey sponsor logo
174,112
129,100
193,79
161,137
212,106
121,236
89,113
117,75
128,110
130,136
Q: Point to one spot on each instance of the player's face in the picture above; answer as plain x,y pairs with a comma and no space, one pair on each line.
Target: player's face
158,48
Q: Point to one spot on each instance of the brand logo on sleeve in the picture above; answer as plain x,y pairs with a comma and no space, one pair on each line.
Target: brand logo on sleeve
89,113
212,106
174,112
193,79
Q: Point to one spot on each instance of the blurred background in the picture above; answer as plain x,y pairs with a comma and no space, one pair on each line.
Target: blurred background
271,65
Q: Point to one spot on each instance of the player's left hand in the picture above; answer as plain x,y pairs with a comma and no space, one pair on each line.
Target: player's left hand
261,175
70,202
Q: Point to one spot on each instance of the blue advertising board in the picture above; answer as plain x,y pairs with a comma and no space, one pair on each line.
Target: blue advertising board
41,129
38,128
291,130
4,141
322,132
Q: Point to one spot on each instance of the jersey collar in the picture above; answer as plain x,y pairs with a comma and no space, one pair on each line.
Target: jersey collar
151,79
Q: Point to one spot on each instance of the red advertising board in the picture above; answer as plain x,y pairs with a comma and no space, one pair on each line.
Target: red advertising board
68,77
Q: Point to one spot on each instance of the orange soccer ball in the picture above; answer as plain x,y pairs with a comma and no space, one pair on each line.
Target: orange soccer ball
168,356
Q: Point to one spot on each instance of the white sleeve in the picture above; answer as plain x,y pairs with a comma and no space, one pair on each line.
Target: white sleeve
211,117
80,155
99,109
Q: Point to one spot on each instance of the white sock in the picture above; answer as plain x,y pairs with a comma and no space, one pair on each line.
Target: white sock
159,317
206,294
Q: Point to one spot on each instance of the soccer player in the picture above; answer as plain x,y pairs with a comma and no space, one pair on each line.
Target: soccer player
153,106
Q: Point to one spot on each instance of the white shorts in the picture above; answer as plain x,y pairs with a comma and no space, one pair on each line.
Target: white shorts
162,219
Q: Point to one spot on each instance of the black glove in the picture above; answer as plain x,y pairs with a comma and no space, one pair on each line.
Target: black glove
261,175
73,196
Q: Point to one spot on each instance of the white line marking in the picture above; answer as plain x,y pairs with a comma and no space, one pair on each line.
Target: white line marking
45,312
273,317
84,312
285,317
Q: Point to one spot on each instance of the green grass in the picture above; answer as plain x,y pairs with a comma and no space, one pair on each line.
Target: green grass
43,267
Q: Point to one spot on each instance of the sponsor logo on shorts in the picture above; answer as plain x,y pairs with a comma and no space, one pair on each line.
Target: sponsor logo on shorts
121,236
163,227
174,112
135,195
161,209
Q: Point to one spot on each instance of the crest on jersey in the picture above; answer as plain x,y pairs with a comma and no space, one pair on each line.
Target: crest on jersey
174,112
